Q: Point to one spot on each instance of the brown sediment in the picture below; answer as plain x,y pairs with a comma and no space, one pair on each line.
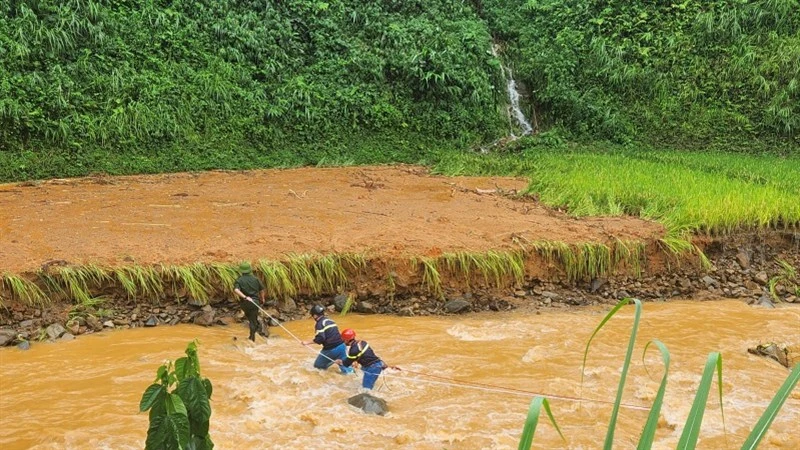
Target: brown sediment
385,212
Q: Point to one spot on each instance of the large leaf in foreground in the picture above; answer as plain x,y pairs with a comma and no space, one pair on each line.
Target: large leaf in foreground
691,430
772,410
649,431
533,419
612,425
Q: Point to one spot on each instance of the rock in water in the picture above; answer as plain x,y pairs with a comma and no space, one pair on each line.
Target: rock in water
773,351
369,404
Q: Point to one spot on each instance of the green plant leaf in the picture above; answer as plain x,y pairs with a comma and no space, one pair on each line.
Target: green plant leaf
612,425
152,394
763,424
169,431
194,396
691,430
208,386
649,430
533,419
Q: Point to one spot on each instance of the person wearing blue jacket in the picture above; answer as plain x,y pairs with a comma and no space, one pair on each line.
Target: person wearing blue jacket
362,353
326,334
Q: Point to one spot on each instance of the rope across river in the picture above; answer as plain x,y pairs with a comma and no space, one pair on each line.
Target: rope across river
447,381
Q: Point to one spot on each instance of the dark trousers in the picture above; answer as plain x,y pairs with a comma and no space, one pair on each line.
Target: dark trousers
251,312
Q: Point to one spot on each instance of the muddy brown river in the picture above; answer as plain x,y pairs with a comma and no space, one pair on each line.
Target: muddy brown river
466,381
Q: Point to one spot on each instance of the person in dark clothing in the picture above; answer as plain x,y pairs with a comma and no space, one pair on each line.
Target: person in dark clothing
362,353
250,289
326,333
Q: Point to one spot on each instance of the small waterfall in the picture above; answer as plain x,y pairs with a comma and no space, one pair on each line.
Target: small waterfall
513,97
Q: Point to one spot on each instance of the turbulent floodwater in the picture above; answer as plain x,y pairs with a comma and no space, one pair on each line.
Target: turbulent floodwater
85,393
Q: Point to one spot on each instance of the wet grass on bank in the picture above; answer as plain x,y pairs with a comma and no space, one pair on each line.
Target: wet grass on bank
331,274
688,192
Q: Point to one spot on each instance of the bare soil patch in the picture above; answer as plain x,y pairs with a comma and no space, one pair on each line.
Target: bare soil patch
231,216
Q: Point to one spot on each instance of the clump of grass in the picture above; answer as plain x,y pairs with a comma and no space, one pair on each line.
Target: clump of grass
226,274
579,262
681,249
431,279
140,281
629,254
787,276
277,278
301,274
497,268
329,272
78,281
193,277
23,289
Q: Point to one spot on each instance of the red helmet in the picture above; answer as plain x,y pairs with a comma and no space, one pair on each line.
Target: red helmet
348,334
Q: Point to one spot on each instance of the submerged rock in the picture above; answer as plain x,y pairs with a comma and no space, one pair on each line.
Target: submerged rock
772,351
369,404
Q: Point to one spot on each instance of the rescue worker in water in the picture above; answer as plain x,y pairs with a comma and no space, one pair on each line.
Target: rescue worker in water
360,352
326,333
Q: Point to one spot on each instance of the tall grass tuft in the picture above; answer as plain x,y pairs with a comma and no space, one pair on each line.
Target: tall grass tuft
579,262
78,281
226,274
277,278
630,254
24,290
498,268
431,279
140,282
329,273
681,249
194,278
301,274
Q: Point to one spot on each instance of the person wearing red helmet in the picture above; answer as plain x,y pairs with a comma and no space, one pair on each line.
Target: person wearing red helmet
362,353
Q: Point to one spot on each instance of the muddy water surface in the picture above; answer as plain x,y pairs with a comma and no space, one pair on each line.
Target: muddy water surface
85,393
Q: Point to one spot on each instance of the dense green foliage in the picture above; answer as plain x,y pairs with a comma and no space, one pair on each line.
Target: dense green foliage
126,86
683,72
146,76
179,418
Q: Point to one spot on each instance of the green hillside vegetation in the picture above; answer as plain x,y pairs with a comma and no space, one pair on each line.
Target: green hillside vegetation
212,80
133,86
684,73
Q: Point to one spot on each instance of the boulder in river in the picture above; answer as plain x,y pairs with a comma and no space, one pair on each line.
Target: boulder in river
369,404
773,351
